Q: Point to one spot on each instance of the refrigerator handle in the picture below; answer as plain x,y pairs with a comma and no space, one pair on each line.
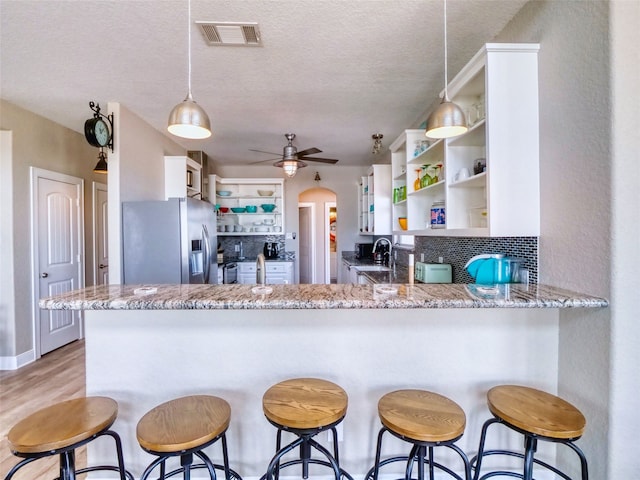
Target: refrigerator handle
206,253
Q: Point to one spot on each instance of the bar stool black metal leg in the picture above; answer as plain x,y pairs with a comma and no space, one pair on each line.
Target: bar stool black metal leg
376,466
225,458
477,460
583,459
530,447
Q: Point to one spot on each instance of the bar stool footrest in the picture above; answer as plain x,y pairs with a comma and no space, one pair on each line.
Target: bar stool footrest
405,459
510,453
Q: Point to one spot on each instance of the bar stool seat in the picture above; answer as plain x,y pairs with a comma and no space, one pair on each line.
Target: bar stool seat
426,420
305,407
184,427
62,428
537,415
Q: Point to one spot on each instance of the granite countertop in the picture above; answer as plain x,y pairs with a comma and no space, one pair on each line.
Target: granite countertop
335,296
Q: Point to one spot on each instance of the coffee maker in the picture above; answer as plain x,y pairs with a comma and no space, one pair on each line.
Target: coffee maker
271,250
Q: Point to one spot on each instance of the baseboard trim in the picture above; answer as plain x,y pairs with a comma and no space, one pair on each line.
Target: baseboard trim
17,361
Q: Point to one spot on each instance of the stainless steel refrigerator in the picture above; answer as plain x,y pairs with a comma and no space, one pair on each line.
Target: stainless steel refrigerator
171,241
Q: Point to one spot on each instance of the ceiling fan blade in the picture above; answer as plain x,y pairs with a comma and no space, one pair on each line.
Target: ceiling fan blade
263,161
308,151
262,151
320,160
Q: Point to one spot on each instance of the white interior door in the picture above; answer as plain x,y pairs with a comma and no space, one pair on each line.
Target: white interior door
58,250
100,235
307,249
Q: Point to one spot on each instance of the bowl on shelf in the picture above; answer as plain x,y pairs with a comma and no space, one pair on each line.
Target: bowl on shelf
403,222
268,207
238,209
224,209
224,193
251,208
268,221
265,193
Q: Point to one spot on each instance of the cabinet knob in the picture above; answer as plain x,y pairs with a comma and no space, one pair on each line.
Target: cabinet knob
44,275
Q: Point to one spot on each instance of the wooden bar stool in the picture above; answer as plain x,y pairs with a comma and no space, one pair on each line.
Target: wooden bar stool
184,427
538,416
62,428
426,420
305,407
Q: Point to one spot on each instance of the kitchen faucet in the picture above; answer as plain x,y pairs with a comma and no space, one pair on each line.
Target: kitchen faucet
375,245
261,271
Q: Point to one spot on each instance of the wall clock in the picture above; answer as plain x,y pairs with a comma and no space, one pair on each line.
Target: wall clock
98,130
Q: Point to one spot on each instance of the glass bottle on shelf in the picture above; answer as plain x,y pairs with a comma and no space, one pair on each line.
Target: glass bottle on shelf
416,183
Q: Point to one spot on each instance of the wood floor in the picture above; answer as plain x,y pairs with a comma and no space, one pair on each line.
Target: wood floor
57,376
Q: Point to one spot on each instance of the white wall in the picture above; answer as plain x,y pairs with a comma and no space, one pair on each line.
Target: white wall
589,209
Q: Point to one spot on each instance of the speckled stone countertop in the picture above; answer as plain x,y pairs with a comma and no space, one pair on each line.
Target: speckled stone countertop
335,296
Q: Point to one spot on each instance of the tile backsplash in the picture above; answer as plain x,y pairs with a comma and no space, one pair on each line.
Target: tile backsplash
458,250
252,245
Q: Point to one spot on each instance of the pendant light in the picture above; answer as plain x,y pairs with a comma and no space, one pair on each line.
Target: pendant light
448,119
101,166
188,119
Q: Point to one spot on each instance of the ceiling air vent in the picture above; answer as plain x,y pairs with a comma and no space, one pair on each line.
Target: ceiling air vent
236,34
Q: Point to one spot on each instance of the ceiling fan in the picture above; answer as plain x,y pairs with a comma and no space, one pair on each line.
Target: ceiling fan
292,159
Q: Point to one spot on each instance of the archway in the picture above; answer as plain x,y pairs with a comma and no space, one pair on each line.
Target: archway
317,217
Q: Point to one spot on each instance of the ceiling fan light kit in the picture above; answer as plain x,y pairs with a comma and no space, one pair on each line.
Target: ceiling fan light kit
188,119
448,119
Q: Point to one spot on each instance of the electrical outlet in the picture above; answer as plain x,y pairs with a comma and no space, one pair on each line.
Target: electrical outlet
440,259
237,247
422,257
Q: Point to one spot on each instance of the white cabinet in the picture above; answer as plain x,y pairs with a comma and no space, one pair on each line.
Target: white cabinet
182,177
279,272
258,203
276,272
374,201
498,89
247,272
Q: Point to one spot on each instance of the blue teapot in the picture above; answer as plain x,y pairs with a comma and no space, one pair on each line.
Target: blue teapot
492,269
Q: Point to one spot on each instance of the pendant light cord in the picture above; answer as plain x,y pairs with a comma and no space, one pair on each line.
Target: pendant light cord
446,94
189,43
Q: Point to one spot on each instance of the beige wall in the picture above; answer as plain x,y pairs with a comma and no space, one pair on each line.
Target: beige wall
588,75
36,142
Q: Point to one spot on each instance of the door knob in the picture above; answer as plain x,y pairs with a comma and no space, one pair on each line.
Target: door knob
44,275
103,266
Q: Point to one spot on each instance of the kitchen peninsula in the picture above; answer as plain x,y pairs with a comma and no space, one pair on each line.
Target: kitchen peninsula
143,349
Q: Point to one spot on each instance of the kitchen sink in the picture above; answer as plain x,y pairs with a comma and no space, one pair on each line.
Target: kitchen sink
371,268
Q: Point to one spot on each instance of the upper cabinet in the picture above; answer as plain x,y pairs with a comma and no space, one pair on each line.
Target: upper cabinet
374,201
182,177
249,206
487,181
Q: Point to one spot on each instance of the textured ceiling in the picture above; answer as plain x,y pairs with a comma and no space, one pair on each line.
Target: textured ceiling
332,71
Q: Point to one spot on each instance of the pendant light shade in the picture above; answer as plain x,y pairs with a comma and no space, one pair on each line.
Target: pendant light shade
448,119
101,166
188,119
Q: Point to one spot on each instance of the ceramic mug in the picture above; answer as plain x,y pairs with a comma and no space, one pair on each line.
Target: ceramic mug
462,174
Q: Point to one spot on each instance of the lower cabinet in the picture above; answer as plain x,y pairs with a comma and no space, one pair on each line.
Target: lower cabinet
276,272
